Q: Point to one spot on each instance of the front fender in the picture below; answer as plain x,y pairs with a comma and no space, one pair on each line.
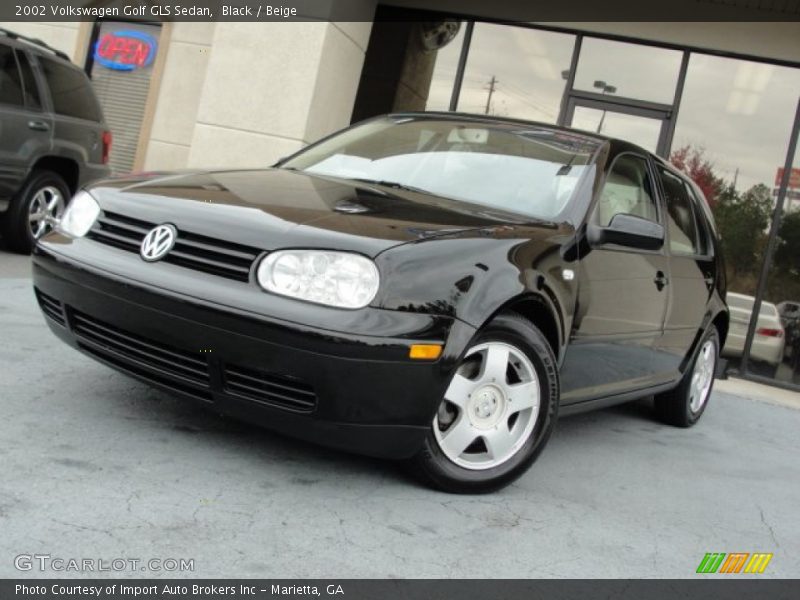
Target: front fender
473,278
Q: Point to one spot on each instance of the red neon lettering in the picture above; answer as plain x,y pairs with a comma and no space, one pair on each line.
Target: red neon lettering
140,53
124,50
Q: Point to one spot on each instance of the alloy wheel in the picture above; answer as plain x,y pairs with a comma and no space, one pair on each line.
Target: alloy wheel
702,376
45,209
490,407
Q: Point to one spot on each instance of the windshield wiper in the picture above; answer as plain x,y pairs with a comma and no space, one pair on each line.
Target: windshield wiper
391,184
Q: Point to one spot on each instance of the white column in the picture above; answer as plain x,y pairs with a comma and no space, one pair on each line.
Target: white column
271,88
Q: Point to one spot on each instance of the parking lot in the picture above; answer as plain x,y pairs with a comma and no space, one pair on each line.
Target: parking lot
96,465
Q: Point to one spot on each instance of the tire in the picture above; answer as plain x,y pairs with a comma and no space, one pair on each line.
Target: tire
44,193
499,443
684,405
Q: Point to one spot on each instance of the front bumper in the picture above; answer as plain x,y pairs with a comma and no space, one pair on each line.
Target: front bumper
352,391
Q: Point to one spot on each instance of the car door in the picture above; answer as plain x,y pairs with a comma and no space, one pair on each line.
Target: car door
692,269
24,129
622,295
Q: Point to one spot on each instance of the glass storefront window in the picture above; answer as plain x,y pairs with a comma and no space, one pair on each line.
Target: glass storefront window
628,70
783,292
444,73
740,112
737,115
516,72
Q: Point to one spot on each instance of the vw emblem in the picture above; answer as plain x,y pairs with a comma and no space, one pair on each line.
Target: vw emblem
158,242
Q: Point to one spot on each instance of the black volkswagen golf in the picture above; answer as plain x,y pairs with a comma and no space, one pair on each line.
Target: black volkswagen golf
424,286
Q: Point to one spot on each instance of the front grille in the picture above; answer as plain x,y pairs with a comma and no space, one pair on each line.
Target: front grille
193,251
52,308
156,358
269,388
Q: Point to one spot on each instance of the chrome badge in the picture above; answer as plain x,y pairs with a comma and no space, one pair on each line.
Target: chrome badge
158,242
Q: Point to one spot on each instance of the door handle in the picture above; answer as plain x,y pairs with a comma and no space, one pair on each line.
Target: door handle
661,280
38,125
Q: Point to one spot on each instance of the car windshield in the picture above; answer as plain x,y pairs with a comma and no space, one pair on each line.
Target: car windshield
529,170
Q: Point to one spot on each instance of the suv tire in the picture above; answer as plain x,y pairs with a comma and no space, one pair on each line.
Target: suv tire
44,194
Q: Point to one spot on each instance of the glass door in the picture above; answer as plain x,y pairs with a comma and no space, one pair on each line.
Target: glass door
645,127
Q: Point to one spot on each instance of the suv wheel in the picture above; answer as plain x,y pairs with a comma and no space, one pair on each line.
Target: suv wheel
35,209
683,406
497,413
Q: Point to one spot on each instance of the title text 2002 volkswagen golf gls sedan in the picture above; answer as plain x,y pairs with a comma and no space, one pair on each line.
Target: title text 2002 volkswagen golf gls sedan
428,286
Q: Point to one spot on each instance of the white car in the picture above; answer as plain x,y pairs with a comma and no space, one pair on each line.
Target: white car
769,338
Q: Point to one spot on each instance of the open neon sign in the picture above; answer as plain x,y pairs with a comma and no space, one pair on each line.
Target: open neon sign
125,50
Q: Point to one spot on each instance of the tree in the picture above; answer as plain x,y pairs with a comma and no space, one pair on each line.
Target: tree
787,254
695,164
742,220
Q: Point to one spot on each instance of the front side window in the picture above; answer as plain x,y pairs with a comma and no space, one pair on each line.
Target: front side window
525,169
681,221
70,90
10,81
627,190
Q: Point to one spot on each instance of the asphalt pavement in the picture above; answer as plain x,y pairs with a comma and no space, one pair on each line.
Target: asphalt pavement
96,465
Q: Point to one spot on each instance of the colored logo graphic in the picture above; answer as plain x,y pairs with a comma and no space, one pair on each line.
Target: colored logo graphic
735,562
125,50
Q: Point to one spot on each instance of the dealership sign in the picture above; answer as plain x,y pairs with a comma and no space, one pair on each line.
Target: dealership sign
794,177
125,50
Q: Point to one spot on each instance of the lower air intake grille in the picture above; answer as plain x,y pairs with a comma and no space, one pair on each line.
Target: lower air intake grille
269,388
52,308
120,346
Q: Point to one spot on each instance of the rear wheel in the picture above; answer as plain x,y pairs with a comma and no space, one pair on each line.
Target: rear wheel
35,210
684,405
497,413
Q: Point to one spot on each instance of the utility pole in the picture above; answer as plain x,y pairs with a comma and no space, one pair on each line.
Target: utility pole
735,177
492,84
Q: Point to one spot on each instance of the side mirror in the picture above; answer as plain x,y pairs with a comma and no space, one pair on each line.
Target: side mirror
627,230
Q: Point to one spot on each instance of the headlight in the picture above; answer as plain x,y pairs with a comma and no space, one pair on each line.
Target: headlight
80,215
338,279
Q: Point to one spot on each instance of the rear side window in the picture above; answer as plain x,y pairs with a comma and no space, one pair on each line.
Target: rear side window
32,99
681,218
10,80
703,226
70,90
627,190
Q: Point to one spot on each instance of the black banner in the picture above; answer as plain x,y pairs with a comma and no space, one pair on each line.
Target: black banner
730,588
364,10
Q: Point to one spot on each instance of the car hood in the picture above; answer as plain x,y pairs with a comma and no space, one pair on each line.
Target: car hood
274,208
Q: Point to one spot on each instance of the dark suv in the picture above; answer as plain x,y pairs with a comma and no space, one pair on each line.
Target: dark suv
53,137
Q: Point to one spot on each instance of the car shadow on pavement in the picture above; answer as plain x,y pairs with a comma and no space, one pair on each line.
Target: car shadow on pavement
185,418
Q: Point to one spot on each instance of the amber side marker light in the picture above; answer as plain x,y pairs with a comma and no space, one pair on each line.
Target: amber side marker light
425,351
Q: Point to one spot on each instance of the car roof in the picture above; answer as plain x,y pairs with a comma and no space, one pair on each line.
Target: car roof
36,45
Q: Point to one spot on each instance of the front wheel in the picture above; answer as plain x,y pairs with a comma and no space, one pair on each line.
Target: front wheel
683,406
497,413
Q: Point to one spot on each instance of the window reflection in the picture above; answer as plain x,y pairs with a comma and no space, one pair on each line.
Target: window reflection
643,131
741,113
526,65
633,70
